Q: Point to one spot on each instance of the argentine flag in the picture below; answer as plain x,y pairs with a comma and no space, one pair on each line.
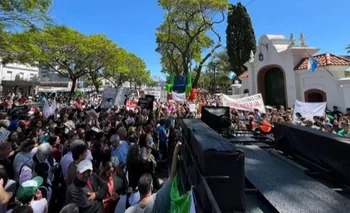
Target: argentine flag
231,75
312,64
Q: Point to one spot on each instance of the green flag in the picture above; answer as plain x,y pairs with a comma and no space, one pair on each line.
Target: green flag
189,78
179,203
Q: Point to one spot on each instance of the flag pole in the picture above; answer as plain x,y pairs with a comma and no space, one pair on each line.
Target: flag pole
319,63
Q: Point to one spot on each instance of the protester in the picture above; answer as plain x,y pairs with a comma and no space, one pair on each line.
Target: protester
70,154
159,201
87,189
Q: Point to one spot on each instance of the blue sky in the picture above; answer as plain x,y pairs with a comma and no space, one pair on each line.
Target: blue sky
132,23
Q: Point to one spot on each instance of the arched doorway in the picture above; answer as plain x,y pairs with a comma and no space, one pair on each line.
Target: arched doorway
272,85
315,95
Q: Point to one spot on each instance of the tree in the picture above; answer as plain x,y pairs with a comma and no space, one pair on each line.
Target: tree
126,67
94,79
56,48
23,13
138,74
183,35
116,70
101,52
217,70
240,37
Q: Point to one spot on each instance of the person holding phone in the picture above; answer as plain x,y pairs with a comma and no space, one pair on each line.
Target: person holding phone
163,139
155,202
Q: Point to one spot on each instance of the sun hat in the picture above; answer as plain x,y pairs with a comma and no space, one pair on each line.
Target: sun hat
28,188
84,166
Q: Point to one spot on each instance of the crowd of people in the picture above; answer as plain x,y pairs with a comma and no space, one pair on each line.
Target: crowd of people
78,157
334,121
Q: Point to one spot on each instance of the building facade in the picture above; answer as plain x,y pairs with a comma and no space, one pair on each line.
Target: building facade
279,71
18,78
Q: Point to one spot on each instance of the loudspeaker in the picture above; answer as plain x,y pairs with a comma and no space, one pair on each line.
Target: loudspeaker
216,117
327,150
220,163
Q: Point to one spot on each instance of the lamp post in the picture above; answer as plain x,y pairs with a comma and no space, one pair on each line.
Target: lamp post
261,55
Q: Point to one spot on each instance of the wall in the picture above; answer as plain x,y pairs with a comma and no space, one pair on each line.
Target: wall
277,52
10,71
245,85
346,91
285,62
321,80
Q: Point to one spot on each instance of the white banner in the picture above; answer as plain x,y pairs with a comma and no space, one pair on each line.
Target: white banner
238,96
179,96
163,97
193,107
309,110
247,103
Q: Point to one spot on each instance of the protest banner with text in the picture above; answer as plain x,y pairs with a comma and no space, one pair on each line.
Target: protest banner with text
247,103
309,110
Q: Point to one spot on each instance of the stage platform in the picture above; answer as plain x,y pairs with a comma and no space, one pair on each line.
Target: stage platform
287,187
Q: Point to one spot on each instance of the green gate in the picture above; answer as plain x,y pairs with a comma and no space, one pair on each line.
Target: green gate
274,88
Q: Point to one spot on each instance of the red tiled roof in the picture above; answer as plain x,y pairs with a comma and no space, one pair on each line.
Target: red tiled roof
325,59
243,75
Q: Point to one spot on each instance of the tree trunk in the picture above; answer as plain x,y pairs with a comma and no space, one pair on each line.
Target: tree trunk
97,87
196,79
74,84
184,65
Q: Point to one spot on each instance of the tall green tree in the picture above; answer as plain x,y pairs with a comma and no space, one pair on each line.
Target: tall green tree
116,70
240,37
127,67
23,13
101,53
95,80
217,70
184,34
57,48
137,69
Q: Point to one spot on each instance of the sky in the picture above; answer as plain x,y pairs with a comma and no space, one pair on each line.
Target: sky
132,24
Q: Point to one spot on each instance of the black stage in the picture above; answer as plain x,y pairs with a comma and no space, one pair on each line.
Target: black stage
303,170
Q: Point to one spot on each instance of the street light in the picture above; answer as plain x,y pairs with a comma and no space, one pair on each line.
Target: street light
261,56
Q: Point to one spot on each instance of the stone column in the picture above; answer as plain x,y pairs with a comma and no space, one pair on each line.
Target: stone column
235,87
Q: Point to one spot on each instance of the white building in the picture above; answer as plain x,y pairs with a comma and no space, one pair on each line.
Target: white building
278,71
18,78
14,71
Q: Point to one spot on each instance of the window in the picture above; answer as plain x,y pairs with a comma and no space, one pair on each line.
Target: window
21,75
8,76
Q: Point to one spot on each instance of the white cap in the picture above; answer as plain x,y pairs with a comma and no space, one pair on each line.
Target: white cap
84,166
